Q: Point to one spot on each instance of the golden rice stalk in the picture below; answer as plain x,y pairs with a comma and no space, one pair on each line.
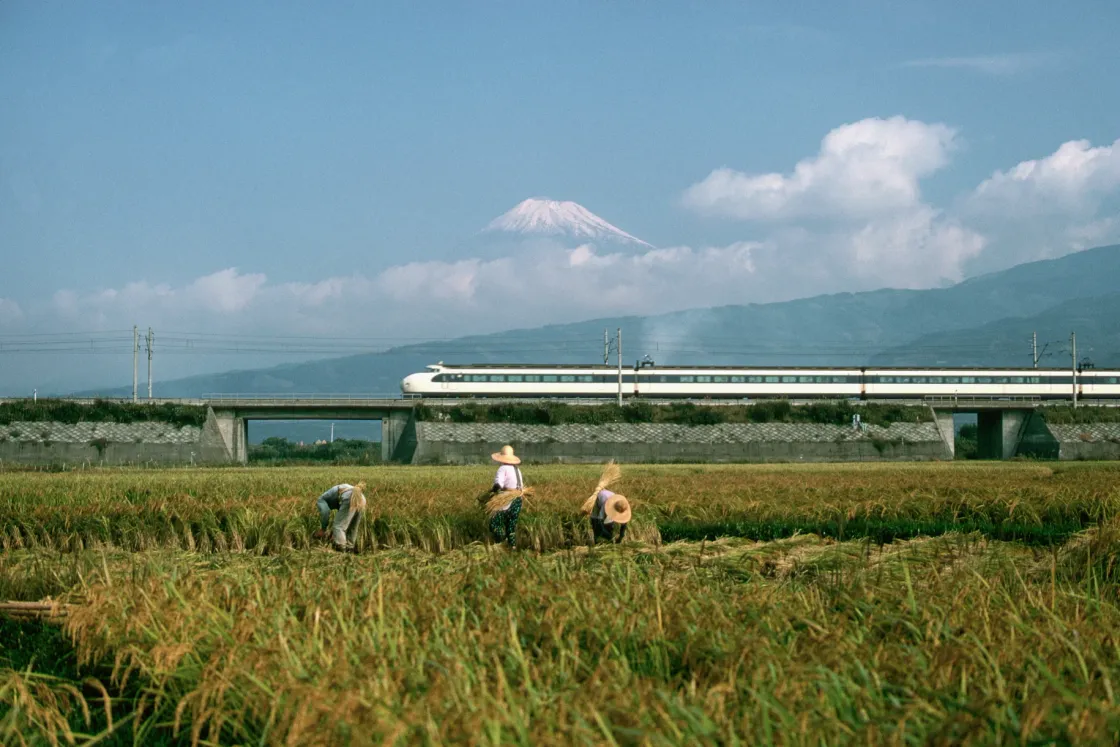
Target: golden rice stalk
612,473
498,500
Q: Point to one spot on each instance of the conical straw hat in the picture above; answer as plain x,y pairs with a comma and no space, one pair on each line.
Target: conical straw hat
617,509
505,456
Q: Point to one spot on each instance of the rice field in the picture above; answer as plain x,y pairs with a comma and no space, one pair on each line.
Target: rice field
860,604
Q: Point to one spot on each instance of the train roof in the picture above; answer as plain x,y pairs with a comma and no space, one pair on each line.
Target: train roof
602,367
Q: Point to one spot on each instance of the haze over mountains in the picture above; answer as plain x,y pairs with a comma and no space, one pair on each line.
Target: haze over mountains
983,321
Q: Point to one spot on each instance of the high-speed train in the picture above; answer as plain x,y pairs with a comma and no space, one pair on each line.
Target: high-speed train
719,382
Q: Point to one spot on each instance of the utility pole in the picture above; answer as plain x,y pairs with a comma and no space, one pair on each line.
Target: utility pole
332,433
135,358
149,362
1034,348
620,366
1073,352
606,348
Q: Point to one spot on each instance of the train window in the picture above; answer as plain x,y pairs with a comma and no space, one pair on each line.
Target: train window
1000,379
1038,380
952,379
532,377
789,379
839,379
1111,379
497,377
548,377
918,380
886,379
1017,380
703,379
983,379
478,377
586,379
902,380
805,379
771,379
754,379
514,377
567,378
935,379
968,379
719,379
737,379
663,379
687,379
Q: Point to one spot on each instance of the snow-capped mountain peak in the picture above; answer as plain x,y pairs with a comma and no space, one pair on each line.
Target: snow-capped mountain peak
541,216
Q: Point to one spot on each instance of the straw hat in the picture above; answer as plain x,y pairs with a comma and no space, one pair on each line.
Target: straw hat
617,509
505,456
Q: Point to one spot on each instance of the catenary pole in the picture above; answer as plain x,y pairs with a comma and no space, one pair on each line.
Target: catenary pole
1073,353
149,362
135,358
620,366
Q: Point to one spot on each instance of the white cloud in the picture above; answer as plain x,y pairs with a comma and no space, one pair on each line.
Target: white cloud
993,64
854,211
863,169
1049,206
10,312
1075,177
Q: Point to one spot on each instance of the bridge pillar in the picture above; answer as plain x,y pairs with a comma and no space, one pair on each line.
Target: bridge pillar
398,436
944,420
234,432
1012,427
999,432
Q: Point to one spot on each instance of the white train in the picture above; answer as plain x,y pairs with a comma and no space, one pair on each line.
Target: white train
721,382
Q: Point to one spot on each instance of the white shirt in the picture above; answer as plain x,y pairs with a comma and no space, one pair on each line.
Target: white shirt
335,495
508,478
600,510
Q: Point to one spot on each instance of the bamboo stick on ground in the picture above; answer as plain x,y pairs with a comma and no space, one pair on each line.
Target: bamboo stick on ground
33,610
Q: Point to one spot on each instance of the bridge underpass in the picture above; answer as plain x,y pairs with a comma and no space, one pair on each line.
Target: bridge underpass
231,417
1005,428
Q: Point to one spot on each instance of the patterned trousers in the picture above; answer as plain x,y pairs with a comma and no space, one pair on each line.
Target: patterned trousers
503,524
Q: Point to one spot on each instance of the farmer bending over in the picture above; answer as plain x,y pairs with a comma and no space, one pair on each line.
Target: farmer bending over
348,501
503,524
608,510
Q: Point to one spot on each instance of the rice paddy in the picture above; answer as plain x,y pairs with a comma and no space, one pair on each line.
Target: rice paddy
862,604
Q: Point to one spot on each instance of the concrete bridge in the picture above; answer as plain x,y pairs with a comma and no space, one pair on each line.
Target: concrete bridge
1003,423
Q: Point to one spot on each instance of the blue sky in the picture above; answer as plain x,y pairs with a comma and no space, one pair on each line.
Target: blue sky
156,145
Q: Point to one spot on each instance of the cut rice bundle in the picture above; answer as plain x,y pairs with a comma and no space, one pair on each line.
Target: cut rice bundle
612,473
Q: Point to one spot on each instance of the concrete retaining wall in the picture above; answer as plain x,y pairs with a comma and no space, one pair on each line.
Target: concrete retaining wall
466,443
95,444
1096,441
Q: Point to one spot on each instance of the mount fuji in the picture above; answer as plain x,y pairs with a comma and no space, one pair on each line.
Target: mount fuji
540,223
569,220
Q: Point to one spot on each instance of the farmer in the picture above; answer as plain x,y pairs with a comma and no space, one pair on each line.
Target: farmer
503,524
348,501
608,510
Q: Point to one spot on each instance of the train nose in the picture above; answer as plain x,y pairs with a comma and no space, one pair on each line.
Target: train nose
409,383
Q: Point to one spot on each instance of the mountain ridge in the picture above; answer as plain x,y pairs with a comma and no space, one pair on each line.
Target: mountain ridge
834,329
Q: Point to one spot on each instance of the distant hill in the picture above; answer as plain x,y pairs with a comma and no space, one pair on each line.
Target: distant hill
985,320
1007,342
